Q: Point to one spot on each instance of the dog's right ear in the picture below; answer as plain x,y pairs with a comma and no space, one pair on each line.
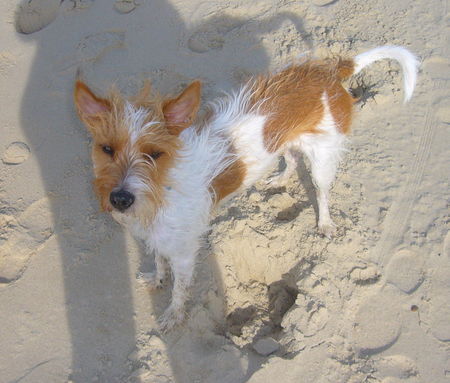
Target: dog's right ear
89,106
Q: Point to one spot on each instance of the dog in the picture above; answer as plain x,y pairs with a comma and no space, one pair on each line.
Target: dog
160,169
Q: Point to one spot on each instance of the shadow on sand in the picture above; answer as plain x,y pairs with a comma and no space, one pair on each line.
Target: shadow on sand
152,41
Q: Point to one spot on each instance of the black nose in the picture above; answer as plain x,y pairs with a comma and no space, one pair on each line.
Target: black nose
121,199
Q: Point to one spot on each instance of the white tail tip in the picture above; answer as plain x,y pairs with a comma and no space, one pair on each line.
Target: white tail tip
405,58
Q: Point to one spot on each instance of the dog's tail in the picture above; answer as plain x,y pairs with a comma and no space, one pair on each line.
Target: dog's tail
405,58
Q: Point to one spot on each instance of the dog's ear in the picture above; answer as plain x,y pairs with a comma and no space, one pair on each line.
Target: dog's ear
89,106
180,112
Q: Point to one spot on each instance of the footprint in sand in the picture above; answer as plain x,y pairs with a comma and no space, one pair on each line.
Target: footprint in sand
365,275
33,15
405,271
310,314
377,323
309,317
395,367
322,3
124,6
211,36
23,238
16,153
91,48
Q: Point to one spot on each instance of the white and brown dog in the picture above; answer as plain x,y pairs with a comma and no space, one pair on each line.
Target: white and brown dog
161,170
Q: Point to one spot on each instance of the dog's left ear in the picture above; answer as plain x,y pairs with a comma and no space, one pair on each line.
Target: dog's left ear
89,106
180,112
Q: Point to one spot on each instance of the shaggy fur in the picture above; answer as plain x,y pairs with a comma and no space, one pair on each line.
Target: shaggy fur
160,170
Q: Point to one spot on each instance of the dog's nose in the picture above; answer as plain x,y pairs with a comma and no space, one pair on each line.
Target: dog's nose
121,199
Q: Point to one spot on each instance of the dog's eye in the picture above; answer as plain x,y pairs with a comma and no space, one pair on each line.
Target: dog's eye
108,150
155,155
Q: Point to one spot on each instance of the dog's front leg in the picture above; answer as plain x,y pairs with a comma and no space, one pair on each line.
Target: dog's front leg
155,279
182,270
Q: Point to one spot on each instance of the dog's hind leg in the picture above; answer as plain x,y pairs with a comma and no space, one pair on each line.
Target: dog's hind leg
280,179
323,152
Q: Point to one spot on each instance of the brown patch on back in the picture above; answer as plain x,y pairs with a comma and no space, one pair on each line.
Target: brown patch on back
341,102
341,107
292,100
229,180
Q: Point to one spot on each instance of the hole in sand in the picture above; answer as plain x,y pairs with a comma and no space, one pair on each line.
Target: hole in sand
281,298
292,212
239,318
264,317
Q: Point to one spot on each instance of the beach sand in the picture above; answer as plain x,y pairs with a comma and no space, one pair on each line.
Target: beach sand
272,300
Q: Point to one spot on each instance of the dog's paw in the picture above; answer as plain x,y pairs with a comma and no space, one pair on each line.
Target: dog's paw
328,229
150,280
171,318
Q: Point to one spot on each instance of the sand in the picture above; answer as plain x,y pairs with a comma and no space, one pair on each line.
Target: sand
272,299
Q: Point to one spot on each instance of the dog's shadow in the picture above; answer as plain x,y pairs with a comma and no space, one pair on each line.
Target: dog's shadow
151,41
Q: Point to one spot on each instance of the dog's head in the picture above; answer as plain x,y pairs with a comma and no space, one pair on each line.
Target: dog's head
135,143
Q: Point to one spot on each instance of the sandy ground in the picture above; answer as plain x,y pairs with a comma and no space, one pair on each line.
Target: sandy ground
272,300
